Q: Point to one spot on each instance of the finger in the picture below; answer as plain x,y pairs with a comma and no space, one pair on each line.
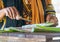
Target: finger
17,13
9,13
13,13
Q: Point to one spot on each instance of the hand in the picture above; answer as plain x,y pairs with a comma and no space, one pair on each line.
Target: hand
12,13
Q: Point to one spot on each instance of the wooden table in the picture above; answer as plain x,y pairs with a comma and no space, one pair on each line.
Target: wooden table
47,37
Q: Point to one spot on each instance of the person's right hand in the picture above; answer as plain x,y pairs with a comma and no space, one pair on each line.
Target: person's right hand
12,13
